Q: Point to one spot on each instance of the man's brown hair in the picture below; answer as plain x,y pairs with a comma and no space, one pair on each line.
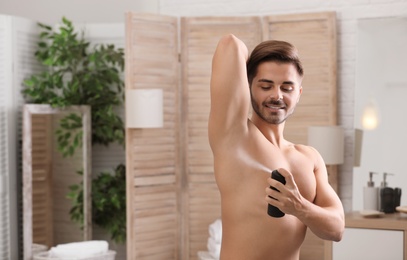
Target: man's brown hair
272,50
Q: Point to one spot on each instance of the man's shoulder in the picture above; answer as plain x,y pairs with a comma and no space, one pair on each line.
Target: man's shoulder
306,150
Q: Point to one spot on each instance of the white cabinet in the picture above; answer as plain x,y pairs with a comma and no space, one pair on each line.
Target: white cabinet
382,238
372,244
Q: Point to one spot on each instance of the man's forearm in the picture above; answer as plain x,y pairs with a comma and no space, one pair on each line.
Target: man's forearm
326,223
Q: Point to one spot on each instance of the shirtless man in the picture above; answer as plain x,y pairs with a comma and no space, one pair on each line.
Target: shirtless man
247,150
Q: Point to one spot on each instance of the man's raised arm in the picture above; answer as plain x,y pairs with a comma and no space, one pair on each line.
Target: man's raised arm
230,95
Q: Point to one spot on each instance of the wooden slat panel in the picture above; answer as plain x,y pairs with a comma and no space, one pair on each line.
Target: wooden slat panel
314,35
41,180
199,39
153,163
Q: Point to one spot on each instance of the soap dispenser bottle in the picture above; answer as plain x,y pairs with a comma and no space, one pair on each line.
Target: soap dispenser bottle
371,194
386,196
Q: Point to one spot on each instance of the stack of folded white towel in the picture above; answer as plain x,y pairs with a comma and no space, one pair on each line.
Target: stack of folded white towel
38,248
79,250
215,239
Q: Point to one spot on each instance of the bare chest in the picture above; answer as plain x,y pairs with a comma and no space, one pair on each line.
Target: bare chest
247,167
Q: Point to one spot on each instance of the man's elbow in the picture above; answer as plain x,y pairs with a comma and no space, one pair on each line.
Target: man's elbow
339,227
230,42
228,39
338,236
335,231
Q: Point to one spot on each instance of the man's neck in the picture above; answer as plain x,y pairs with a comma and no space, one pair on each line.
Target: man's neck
273,132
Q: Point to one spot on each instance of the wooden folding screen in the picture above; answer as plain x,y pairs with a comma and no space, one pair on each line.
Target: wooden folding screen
152,155
181,147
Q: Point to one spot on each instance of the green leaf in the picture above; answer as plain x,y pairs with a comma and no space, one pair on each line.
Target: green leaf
29,82
44,26
49,61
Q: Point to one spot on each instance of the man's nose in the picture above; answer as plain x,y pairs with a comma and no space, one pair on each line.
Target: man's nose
276,94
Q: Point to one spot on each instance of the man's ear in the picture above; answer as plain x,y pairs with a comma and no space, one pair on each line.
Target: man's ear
299,94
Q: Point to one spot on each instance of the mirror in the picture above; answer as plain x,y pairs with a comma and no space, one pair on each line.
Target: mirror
47,175
381,69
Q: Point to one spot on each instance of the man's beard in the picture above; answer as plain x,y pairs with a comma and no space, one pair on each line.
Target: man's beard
271,118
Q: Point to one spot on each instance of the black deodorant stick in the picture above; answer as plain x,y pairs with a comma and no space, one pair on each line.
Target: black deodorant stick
271,210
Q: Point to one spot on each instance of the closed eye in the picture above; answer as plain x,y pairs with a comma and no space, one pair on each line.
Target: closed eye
286,88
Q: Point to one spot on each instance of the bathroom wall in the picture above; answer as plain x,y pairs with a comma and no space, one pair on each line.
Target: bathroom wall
348,12
87,11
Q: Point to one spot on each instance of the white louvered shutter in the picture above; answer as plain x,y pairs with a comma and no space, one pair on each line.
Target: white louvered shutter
17,46
24,43
153,161
5,82
4,192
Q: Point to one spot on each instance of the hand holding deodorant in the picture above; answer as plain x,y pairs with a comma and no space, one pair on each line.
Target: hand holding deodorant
271,210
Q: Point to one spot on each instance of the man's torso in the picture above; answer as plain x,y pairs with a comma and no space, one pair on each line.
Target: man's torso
241,171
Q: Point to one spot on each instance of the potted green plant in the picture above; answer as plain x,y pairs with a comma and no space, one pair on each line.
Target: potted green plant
76,73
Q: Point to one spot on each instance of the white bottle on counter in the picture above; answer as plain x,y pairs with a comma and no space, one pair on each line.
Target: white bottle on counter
371,195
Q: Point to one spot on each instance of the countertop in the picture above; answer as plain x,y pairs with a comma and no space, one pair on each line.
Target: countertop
393,221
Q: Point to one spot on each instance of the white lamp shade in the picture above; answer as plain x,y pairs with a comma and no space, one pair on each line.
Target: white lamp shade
144,108
329,141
